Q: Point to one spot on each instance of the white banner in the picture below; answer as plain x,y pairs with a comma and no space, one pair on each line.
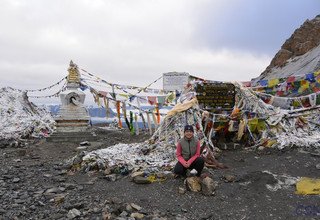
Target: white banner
175,81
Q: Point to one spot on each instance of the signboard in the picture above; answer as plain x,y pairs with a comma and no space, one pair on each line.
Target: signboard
175,81
213,96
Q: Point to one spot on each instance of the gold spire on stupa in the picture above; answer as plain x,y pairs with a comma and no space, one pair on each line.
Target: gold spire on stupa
74,74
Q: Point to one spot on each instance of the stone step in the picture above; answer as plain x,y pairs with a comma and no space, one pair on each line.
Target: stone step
76,124
72,112
72,137
70,134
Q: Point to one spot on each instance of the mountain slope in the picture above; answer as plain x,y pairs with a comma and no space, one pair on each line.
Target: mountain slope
299,55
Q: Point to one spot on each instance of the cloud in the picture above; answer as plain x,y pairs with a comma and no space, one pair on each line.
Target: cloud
250,25
131,42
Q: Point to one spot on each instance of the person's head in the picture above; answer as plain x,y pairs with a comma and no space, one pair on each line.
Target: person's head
188,131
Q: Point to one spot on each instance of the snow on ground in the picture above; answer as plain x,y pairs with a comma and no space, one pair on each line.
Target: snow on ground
138,155
284,181
21,118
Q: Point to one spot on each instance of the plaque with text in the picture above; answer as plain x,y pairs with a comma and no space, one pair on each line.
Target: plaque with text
215,96
175,81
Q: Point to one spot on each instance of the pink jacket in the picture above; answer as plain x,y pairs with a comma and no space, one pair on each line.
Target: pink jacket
179,150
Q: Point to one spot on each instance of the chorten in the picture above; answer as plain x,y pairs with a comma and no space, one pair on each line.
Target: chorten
72,116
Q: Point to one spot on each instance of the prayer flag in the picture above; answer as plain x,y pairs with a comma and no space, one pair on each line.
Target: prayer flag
273,82
152,100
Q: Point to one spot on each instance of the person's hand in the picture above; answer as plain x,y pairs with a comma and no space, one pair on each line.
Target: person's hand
186,164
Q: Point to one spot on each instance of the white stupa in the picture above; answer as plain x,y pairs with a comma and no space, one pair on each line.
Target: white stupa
72,116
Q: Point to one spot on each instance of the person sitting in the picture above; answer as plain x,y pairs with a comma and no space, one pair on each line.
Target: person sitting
188,153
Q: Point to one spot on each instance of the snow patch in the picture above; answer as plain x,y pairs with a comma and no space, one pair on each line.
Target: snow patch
283,181
20,118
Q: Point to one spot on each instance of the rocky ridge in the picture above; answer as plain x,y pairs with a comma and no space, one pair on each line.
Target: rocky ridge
302,48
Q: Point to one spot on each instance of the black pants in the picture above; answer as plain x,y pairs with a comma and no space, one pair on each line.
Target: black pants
198,165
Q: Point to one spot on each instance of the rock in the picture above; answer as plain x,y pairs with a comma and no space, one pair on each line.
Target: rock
62,172
193,184
70,186
137,215
318,166
90,182
184,210
208,216
59,179
261,148
111,177
6,176
141,180
81,148
19,201
14,144
123,214
41,203
16,180
229,178
129,208
107,171
169,175
106,215
62,189
52,190
140,173
161,175
32,207
59,199
85,143
47,175
73,213
208,186
182,190
135,206
57,216
179,217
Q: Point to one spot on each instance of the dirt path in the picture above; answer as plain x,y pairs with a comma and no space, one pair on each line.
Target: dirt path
34,184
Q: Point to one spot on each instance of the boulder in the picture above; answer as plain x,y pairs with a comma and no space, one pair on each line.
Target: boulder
208,186
193,184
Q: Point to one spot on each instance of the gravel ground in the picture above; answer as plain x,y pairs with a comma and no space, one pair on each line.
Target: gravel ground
34,184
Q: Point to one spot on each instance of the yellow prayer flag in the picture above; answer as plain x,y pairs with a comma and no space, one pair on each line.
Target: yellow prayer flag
253,123
305,84
273,82
124,95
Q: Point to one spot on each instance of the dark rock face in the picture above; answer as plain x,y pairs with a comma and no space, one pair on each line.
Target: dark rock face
301,41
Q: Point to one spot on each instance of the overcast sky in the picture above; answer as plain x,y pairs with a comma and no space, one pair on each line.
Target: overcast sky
134,41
